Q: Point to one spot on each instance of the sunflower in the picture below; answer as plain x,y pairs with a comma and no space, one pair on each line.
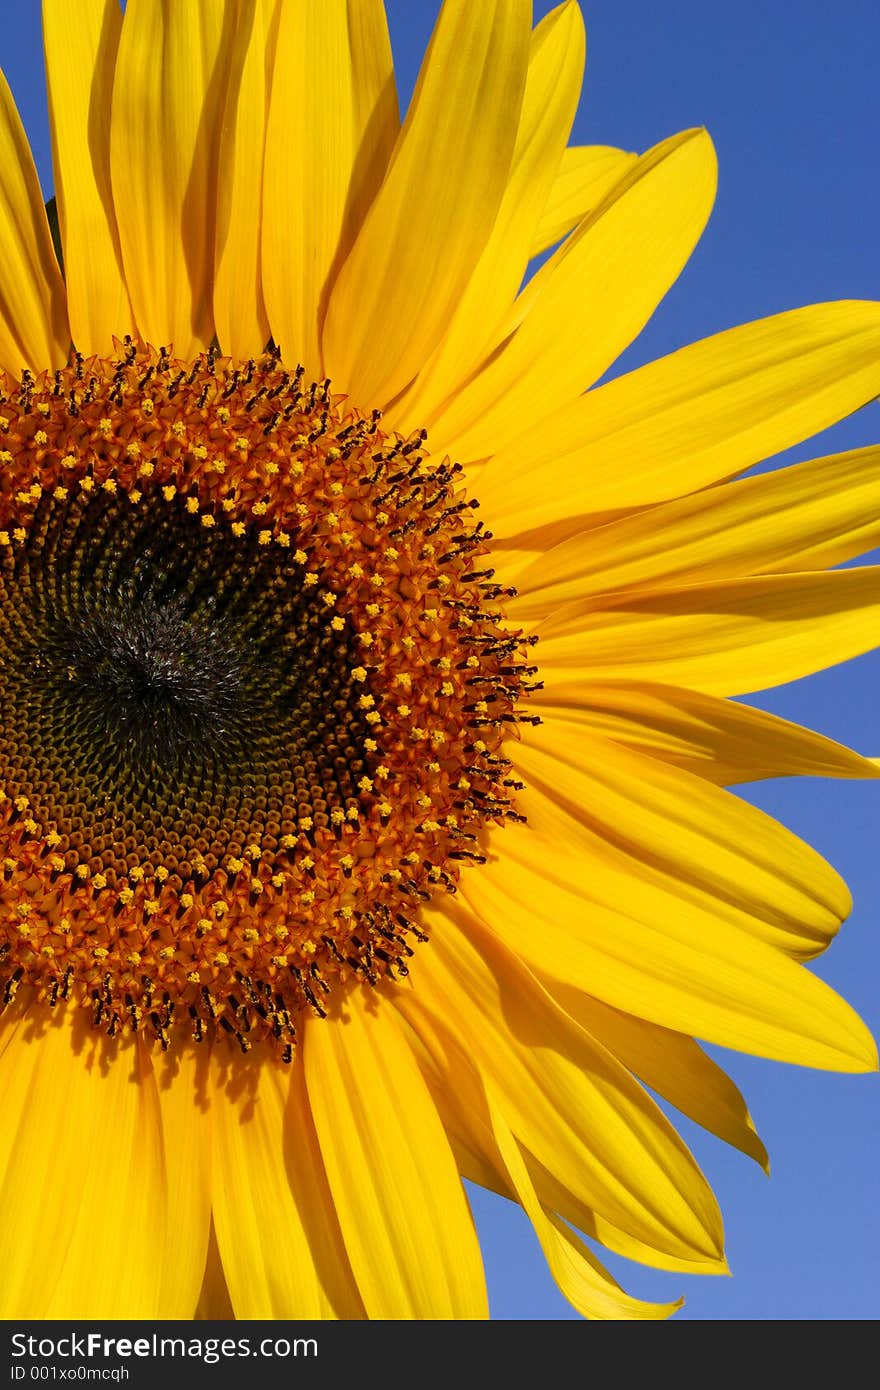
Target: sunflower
357,838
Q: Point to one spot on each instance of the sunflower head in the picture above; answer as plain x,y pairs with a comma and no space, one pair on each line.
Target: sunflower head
279,702
254,686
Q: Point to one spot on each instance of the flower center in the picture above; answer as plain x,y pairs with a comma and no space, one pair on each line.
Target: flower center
253,692
167,688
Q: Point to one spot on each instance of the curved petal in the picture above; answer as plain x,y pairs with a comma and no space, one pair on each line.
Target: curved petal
810,516
704,413
673,1065
401,1206
239,311
719,740
585,1282
33,301
80,62
588,302
567,1100
585,175
80,1162
624,817
278,1238
727,638
433,214
458,1093
553,82
332,124
712,980
168,97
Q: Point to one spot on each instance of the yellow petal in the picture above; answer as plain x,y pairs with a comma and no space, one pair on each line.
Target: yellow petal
718,740
168,97
553,82
180,1260
457,1093
636,825
239,310
402,1209
33,302
810,516
433,214
568,1101
706,412
332,125
585,1282
554,1197
720,983
673,1065
276,1232
80,1162
585,174
80,62
589,301
727,638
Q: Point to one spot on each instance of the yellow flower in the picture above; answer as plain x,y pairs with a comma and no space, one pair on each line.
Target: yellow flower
356,840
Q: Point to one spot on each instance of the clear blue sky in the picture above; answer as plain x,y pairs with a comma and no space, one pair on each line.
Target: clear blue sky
788,91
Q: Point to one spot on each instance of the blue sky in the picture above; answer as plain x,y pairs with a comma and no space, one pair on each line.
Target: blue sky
788,92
